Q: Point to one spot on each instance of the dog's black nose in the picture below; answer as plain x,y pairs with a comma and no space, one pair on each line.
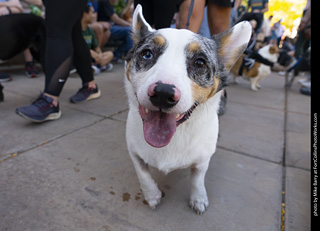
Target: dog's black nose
163,95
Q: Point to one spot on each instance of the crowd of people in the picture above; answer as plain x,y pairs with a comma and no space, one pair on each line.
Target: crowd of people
79,38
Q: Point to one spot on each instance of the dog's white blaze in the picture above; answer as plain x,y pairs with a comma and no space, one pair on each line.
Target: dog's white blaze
170,68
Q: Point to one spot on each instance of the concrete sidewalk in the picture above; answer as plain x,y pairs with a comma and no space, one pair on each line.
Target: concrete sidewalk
75,173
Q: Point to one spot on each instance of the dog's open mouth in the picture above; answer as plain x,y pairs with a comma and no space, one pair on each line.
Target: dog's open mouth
159,127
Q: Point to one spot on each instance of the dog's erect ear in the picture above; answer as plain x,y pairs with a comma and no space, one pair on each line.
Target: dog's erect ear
232,43
140,26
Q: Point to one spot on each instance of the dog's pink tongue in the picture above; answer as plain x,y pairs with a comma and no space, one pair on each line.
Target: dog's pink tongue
158,128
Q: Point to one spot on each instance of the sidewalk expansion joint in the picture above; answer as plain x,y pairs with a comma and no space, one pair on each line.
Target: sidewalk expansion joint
248,155
19,152
283,191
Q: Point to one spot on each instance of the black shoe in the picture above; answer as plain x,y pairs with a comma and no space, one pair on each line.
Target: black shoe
42,109
85,93
305,90
31,70
4,77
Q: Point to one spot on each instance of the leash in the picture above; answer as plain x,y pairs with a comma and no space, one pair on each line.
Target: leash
189,14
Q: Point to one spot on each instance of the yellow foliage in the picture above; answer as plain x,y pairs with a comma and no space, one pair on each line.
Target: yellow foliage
287,10
290,11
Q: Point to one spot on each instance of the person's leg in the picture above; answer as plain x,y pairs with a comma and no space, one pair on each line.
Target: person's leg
219,13
102,33
196,16
124,34
31,70
218,18
106,58
18,32
81,55
163,12
59,42
82,62
60,22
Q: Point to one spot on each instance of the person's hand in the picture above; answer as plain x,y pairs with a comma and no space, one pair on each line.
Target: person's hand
4,11
107,25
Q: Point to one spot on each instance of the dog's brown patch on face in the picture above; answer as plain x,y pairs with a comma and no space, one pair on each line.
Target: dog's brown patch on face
128,70
273,50
159,41
202,94
194,47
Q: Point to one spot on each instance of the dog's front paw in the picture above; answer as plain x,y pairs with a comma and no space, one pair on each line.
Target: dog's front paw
153,198
254,88
199,205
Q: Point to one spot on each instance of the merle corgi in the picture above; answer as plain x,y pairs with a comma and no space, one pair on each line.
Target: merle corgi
173,80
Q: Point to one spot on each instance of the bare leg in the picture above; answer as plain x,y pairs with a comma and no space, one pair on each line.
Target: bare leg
218,18
196,16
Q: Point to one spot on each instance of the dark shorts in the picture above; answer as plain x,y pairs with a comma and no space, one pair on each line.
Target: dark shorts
223,3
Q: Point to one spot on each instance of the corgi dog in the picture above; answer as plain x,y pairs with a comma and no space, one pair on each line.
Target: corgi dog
258,71
173,80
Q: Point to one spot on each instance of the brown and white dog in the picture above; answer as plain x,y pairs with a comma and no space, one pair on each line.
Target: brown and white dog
173,82
259,71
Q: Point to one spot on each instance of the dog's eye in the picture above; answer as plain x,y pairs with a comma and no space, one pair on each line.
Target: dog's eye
146,54
200,63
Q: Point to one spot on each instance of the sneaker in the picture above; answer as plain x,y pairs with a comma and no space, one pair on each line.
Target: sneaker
31,70
107,67
95,69
85,93
305,90
4,77
42,109
1,93
72,70
118,60
305,82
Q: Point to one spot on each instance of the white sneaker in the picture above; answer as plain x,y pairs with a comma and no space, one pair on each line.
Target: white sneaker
95,69
305,82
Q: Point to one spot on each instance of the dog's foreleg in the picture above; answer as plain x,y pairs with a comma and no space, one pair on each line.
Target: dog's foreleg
198,199
254,82
151,192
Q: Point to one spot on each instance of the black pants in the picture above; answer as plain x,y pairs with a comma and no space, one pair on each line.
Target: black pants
18,32
258,17
64,44
158,13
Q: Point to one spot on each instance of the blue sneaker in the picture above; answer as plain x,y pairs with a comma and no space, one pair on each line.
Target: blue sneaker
42,109
85,93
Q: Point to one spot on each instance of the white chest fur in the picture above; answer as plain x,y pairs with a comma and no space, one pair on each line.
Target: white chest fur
194,141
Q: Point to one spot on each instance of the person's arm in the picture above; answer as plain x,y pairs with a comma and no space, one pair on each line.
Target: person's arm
305,20
12,6
34,2
119,21
248,6
266,8
98,50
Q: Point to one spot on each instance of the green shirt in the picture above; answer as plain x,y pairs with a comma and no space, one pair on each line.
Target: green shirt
90,38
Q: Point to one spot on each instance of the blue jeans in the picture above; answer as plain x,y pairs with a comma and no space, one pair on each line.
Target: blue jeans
122,33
